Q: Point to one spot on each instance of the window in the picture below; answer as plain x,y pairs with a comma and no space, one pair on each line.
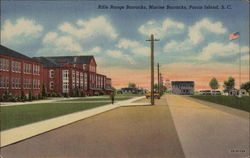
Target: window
1,63
73,79
65,74
77,79
51,73
16,66
4,64
27,68
81,80
84,66
51,85
4,82
36,84
36,69
65,78
16,83
85,81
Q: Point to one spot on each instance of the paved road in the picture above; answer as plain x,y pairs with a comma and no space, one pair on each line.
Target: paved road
208,130
127,132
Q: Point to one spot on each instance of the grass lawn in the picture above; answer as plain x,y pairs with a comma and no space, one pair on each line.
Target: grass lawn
101,98
242,103
130,95
14,116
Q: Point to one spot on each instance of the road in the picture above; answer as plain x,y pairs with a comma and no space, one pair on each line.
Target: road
126,132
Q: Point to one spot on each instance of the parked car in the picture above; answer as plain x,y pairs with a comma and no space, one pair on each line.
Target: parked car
205,92
156,95
214,92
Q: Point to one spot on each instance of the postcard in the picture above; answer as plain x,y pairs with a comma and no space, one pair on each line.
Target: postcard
121,79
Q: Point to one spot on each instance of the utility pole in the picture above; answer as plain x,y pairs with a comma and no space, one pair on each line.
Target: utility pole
152,67
158,70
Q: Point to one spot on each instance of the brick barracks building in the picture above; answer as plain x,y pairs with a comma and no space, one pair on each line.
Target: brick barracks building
65,75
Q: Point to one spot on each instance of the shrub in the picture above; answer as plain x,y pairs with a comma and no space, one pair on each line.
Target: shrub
66,95
40,96
30,96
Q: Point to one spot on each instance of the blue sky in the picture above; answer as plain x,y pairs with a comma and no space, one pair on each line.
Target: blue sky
117,37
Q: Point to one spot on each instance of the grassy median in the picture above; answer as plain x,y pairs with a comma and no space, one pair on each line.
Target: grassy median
14,116
231,101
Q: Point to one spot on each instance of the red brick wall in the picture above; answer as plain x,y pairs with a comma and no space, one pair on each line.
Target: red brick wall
20,75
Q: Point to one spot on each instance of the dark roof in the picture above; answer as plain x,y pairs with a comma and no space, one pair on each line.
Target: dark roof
47,62
129,89
71,59
182,82
9,52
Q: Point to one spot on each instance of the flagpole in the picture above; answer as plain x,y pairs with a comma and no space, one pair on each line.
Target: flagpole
239,68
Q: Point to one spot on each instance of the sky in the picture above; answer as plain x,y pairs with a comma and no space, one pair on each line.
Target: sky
193,42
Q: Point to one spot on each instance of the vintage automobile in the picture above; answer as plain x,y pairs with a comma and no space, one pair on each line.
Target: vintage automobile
205,92
156,95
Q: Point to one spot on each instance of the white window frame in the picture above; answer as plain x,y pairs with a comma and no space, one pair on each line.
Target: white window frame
51,85
51,73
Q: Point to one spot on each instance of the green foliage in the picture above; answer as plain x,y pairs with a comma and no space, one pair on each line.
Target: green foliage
82,93
230,83
77,92
246,86
7,97
131,85
44,91
231,101
40,96
23,97
30,96
214,83
162,88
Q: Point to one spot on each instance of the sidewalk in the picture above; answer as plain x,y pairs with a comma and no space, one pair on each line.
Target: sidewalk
20,133
207,131
50,100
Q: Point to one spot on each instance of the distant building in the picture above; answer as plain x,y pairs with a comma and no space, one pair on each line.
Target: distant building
182,87
132,91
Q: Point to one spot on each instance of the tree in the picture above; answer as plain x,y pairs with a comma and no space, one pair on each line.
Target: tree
131,85
162,88
230,83
30,96
246,86
44,92
214,83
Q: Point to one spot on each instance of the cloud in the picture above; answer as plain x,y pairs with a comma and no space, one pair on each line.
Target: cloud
161,29
21,31
214,49
95,50
69,38
195,32
120,55
83,29
55,44
177,47
134,47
